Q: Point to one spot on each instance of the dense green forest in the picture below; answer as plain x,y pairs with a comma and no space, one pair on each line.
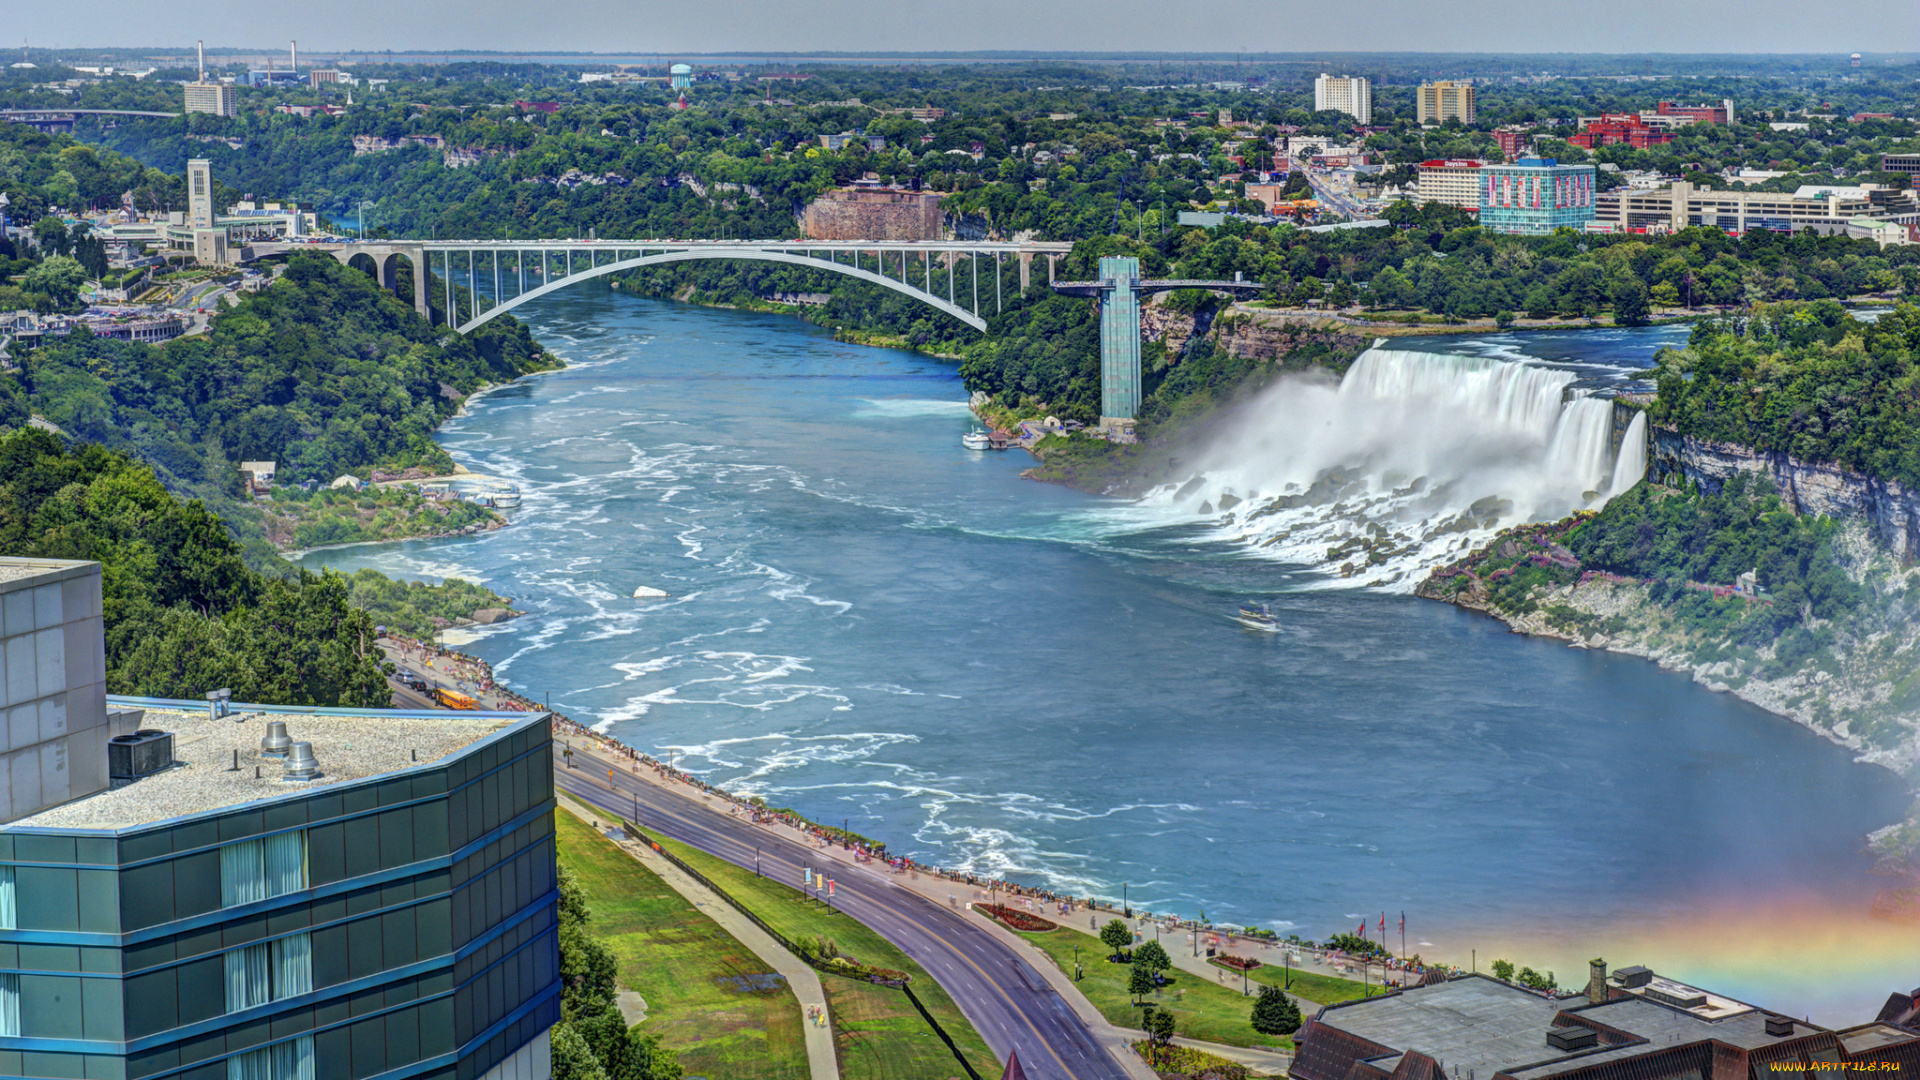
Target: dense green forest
323,372
184,614
1807,380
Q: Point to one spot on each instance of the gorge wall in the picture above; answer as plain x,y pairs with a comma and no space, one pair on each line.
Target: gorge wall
1891,510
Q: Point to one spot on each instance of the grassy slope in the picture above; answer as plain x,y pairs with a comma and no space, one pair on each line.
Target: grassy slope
879,1034
1307,986
1201,1009
685,965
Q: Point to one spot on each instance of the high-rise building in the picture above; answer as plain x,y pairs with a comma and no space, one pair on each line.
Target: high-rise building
1436,103
1454,181
1534,196
199,194
213,98
1353,96
260,894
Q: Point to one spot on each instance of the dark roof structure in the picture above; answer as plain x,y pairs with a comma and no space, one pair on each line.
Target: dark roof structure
1645,1027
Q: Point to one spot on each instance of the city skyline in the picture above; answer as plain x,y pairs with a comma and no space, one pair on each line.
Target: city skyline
1509,26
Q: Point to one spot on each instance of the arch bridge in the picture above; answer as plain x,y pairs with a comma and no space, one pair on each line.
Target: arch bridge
482,279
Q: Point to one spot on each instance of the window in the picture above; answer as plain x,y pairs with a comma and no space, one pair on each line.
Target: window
258,869
9,909
269,971
283,1061
10,1004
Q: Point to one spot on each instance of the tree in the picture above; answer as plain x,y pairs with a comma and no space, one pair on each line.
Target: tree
57,276
1274,1013
572,1058
1159,1025
1140,981
1503,970
1503,318
1154,956
1117,937
1630,307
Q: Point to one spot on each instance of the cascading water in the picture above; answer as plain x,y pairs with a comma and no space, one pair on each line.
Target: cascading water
1409,462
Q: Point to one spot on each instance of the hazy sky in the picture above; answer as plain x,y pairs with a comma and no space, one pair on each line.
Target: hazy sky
714,26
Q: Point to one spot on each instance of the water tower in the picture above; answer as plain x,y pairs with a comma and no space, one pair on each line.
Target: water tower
680,76
1856,59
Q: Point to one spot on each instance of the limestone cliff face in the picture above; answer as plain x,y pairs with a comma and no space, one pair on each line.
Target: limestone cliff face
1889,509
1245,334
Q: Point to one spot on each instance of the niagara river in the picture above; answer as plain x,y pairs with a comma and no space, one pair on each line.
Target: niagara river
868,623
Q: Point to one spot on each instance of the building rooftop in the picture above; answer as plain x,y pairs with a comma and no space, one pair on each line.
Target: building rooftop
1475,1023
203,778
17,569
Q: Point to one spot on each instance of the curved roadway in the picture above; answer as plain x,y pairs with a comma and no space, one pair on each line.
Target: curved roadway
1009,1002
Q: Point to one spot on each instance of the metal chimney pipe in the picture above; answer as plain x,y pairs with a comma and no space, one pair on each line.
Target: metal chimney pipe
293,56
201,46
276,742
301,764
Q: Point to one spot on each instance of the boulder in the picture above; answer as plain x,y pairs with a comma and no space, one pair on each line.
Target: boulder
487,616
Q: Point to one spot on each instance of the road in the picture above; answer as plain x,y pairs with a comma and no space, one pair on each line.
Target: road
1009,1002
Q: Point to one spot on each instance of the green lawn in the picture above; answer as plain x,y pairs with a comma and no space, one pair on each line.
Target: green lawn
695,976
1202,1009
878,1032
1308,986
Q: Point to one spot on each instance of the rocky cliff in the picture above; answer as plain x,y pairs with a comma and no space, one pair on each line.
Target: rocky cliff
1890,510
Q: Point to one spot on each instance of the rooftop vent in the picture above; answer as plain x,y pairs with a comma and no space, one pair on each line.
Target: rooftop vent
1633,977
1779,1026
276,742
147,751
1572,1038
301,764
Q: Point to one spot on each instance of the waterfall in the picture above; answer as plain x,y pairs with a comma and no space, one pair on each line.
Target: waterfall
1410,461
1632,466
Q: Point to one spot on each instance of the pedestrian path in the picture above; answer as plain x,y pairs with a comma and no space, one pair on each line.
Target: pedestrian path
940,890
821,1059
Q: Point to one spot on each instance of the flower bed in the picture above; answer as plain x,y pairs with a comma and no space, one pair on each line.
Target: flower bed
1237,963
1019,920
1188,1062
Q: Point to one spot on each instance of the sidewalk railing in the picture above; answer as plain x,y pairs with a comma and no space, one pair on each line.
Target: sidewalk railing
805,955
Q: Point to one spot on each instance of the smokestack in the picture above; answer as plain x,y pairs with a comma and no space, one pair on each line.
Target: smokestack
202,47
1596,981
293,57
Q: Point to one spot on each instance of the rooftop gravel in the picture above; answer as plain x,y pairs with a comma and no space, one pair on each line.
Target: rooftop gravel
203,777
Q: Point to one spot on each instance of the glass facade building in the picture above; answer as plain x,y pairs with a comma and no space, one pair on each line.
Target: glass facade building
1534,196
1119,337
218,922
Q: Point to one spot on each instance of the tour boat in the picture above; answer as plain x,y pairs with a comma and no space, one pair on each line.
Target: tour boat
976,440
1257,617
500,498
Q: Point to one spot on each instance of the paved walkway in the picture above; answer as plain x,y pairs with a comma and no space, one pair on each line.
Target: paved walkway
939,890
804,980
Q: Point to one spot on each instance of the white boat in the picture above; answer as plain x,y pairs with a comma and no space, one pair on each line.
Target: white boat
1257,617
976,440
502,498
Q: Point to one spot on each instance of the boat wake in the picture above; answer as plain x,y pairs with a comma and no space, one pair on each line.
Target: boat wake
1407,463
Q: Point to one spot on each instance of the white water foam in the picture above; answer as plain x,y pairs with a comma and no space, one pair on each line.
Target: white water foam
1409,462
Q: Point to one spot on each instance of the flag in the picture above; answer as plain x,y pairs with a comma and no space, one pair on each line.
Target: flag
1383,925
1403,923
1363,929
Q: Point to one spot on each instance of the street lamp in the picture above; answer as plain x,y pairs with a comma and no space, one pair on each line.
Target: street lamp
363,219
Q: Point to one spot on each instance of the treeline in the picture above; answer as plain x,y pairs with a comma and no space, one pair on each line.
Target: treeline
183,613
1808,380
323,372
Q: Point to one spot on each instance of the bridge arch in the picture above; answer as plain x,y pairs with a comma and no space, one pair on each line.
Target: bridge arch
756,255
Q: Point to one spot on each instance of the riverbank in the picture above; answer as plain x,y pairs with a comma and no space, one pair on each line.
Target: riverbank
1853,691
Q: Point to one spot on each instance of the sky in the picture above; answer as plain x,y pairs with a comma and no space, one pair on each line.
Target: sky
722,26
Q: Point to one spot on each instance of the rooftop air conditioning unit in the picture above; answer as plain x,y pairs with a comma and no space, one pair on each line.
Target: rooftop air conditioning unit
1779,1027
147,751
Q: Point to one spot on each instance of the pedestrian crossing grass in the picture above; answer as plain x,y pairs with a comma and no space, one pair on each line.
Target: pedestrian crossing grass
694,975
